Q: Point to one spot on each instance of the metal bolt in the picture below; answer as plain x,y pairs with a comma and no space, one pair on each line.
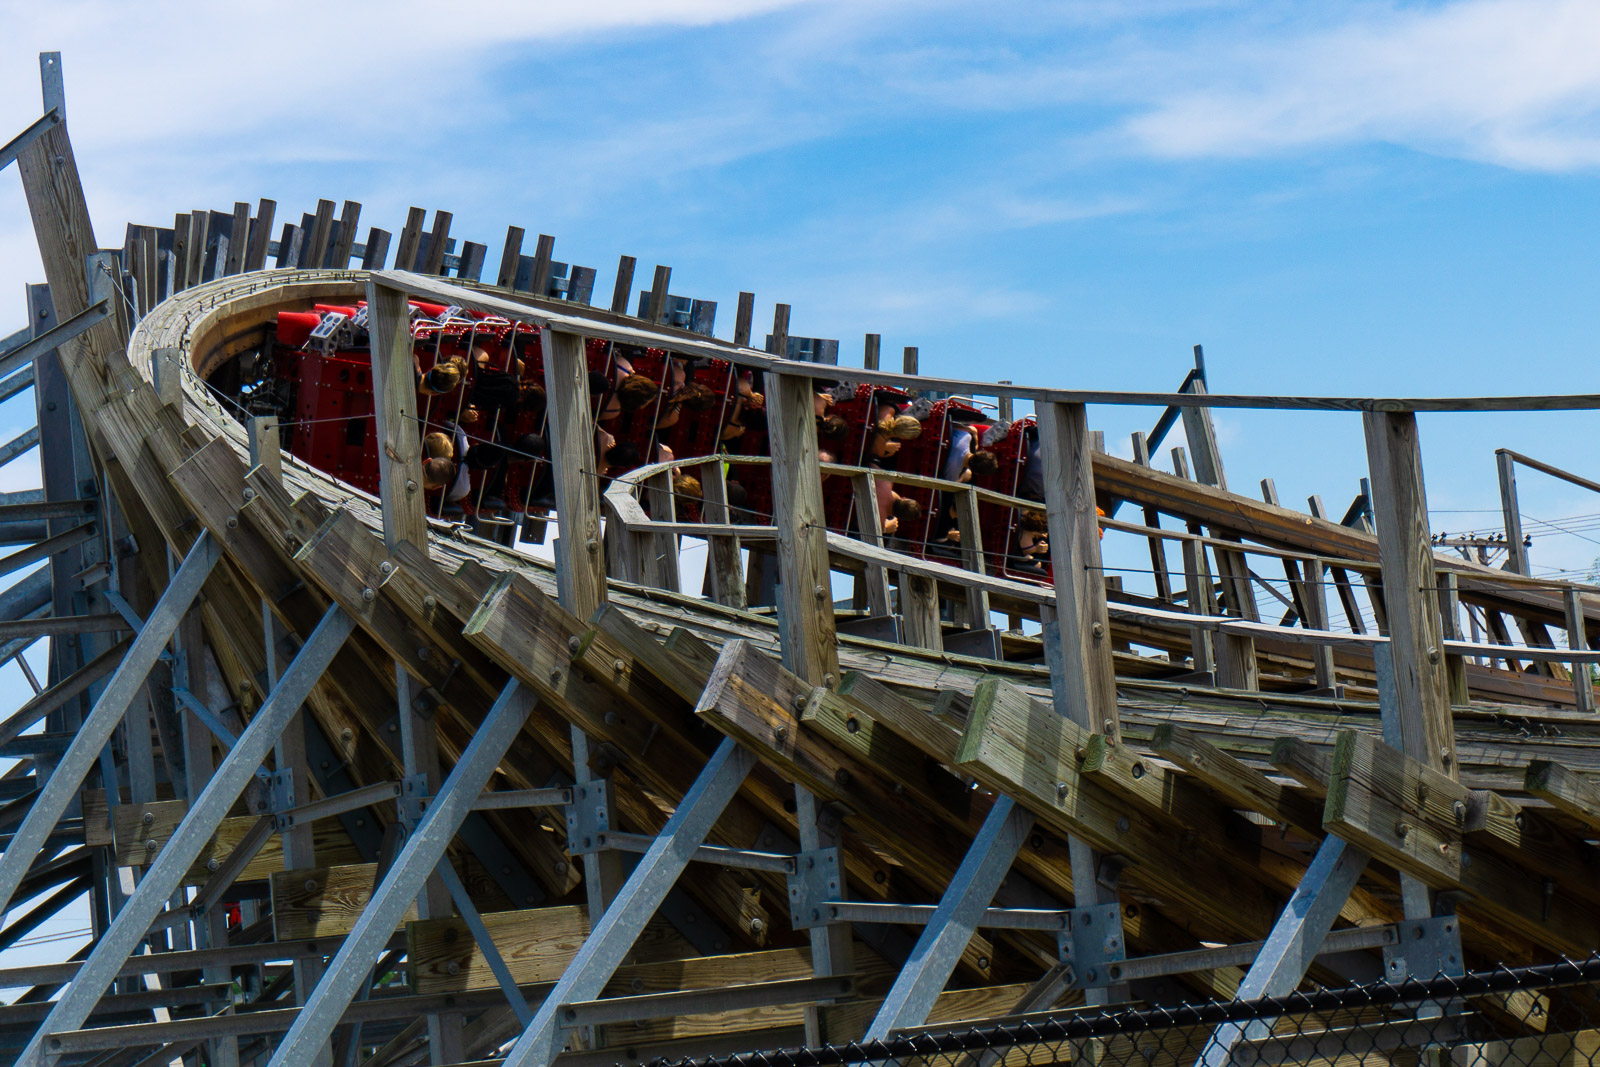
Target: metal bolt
1123,825
1137,770
249,494
411,486
592,545
1061,790
852,725
819,592
1098,629
368,595
149,817
555,675
573,643
311,885
757,925
983,963
347,735
561,866
780,732
150,845
799,701
231,522
1460,811
429,603
611,718
1401,829
452,967
618,666
386,567
638,983
1433,654
213,866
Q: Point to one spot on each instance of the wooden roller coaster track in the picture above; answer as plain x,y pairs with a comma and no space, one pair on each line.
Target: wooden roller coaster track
391,790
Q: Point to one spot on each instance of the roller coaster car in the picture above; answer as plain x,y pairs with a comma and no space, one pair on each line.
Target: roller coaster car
999,522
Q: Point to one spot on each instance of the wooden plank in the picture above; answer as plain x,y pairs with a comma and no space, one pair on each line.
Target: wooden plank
580,567
724,561
239,239
869,525
919,611
1085,684
321,233
376,252
260,235
405,253
536,944
438,239
805,620
744,318
1306,764
199,227
344,243
624,287
509,257
470,266
1567,791
310,902
971,534
1242,786
179,279
1407,814
394,401
1425,730
543,250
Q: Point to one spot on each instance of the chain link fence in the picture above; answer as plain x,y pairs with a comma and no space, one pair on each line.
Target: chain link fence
1541,1016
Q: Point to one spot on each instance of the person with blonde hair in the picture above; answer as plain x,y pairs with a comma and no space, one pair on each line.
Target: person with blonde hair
444,378
437,446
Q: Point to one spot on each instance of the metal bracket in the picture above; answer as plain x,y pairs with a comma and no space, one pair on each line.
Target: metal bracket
816,880
1426,949
1092,942
413,800
280,790
589,816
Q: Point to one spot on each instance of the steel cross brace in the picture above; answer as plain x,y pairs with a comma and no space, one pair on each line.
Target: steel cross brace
95,733
945,938
1294,942
613,935
192,834
419,857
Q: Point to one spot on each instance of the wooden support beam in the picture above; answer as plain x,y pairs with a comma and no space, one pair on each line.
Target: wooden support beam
317,242
317,902
539,280
405,253
580,565
624,287
1086,687
1411,816
260,235
1567,791
238,240
394,399
805,618
724,563
919,610
1421,722
510,257
1237,784
344,243
869,525
433,262
1577,641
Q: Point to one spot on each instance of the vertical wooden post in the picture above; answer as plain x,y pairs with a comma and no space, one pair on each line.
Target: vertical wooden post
1450,615
869,523
510,257
239,240
1577,641
349,219
779,345
966,502
1197,585
919,610
910,364
1314,595
1152,519
1516,551
405,252
724,568
806,621
321,231
1202,436
1003,404
394,402
539,284
1088,695
869,358
743,319
376,253
255,257
624,287
1421,715
659,287
580,566
433,262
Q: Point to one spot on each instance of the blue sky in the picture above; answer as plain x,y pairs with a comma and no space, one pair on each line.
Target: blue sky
1356,199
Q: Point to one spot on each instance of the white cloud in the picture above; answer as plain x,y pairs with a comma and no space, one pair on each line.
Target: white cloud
1510,82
